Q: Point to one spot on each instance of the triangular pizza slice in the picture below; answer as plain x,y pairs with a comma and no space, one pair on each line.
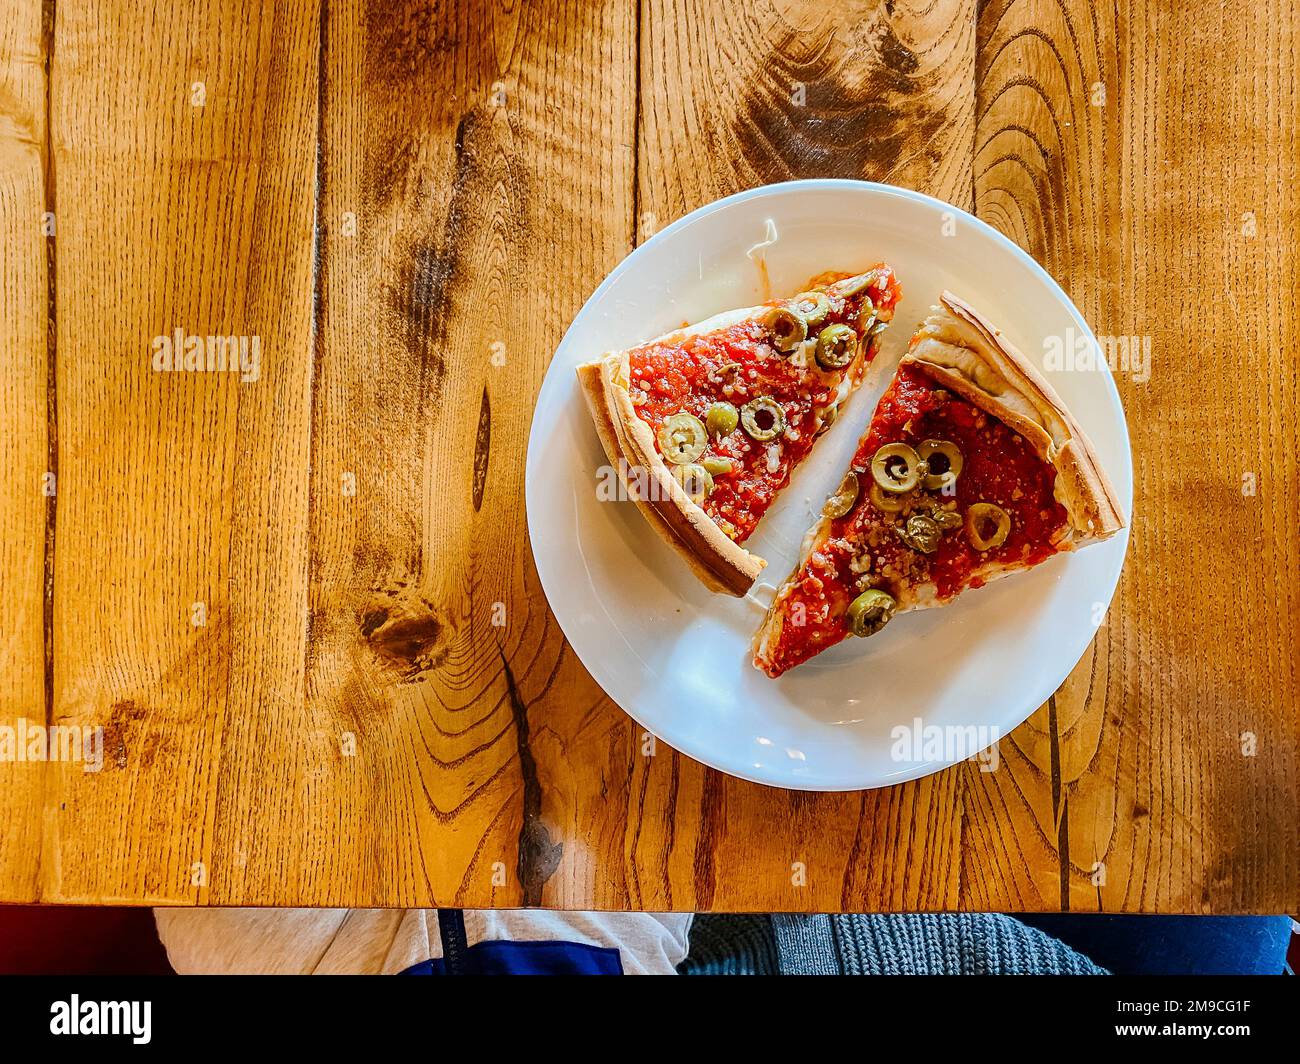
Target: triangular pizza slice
705,424
971,469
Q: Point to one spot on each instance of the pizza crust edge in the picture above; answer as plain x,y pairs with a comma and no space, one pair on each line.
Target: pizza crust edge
722,564
961,350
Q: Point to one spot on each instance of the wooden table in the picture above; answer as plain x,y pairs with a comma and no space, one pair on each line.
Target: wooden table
303,607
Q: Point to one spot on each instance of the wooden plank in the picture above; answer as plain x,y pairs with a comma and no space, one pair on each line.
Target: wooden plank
733,97
1018,822
477,184
740,95
1147,159
184,152
26,496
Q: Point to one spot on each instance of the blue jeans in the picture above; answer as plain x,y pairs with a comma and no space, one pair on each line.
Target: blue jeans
1172,945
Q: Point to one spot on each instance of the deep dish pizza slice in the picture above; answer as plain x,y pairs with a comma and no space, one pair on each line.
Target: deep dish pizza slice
705,424
971,469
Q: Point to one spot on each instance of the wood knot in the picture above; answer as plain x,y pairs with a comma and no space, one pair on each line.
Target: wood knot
408,638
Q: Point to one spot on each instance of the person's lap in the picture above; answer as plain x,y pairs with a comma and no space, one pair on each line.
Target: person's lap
321,940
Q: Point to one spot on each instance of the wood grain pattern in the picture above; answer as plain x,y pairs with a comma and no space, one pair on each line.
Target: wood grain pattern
1174,783
25,492
407,203
734,96
183,151
443,213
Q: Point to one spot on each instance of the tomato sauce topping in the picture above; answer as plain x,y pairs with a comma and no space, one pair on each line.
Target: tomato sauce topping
863,549
737,365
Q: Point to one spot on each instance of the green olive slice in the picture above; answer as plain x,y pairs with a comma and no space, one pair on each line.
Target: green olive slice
812,307
695,481
944,462
835,345
886,502
721,419
870,612
682,438
896,467
762,418
845,496
787,327
987,525
853,286
718,466
921,533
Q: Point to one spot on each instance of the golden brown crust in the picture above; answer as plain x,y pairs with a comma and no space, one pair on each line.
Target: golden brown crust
961,350
720,563
628,441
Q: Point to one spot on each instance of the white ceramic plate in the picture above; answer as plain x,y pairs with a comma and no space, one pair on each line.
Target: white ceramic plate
674,655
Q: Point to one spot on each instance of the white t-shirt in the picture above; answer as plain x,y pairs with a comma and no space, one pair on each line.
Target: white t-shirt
390,941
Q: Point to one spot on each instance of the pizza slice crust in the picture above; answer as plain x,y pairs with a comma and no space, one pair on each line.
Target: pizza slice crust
962,351
720,563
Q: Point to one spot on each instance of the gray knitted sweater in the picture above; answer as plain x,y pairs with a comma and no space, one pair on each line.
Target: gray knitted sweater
907,944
